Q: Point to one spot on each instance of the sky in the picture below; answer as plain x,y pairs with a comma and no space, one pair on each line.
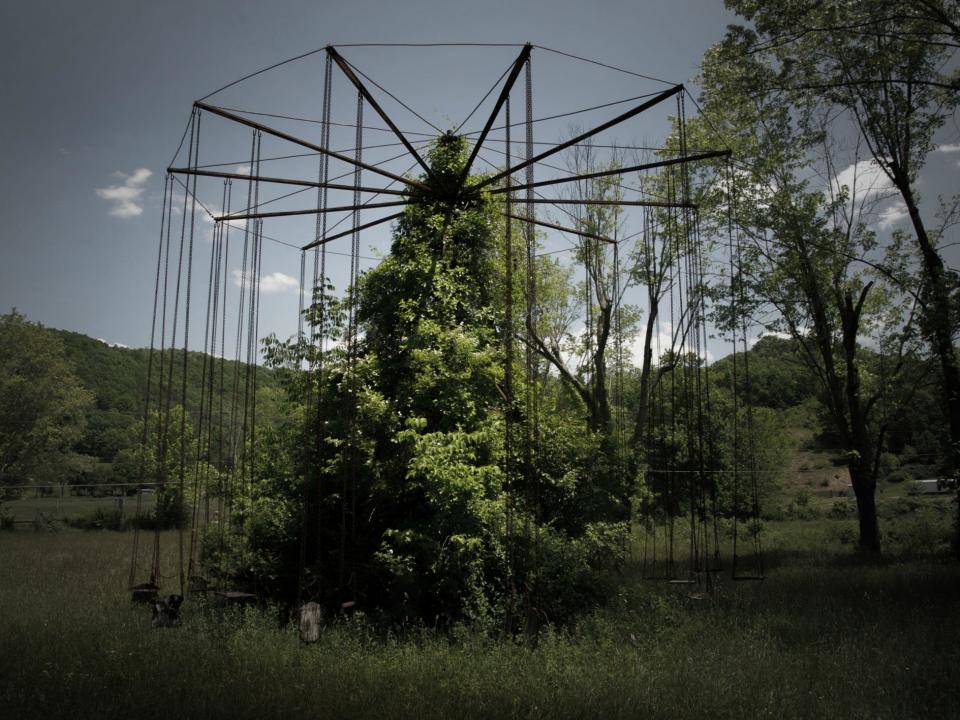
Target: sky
97,94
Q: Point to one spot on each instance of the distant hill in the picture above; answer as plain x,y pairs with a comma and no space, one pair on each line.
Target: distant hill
117,378
778,377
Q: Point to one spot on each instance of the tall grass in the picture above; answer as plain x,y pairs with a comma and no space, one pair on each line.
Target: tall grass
821,637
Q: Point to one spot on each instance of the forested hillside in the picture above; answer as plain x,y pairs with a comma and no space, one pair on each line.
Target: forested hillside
114,379
117,376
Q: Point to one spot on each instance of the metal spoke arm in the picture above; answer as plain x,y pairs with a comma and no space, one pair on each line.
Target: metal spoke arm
561,228
351,76
283,181
504,93
339,235
589,133
309,145
623,203
310,211
620,171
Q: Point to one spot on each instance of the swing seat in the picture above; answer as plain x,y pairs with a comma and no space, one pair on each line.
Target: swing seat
739,578
234,598
145,592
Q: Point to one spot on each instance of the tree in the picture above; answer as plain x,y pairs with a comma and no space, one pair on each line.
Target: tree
42,403
600,288
887,63
397,483
807,255
401,482
658,268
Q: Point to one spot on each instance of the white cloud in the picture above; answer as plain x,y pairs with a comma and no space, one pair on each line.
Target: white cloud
242,170
272,283
948,148
278,282
892,215
661,344
126,197
751,341
139,176
869,178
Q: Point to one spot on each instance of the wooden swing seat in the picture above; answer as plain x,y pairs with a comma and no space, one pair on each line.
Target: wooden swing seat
234,598
145,592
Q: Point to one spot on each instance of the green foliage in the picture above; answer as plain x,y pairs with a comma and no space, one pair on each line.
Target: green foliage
388,479
752,649
404,499
889,66
98,390
42,403
100,519
887,464
779,378
899,476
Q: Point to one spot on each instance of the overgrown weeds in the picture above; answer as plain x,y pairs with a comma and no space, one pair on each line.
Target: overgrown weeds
816,639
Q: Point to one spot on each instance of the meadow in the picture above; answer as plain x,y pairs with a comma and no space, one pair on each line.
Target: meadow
822,636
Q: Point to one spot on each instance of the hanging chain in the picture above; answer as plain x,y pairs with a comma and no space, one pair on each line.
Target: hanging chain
508,322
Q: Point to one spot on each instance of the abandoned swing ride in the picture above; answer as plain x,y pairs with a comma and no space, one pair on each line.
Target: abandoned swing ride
239,181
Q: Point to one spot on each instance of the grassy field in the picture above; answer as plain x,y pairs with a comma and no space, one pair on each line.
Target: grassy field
72,507
822,636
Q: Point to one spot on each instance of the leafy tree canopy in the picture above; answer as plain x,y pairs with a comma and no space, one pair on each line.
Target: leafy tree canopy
42,403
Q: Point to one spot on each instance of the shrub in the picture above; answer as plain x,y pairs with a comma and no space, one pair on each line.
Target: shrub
847,535
887,464
898,476
100,520
843,509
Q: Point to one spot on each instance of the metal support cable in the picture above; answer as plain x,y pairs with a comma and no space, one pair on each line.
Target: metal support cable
533,421
165,415
206,375
164,219
508,444
183,389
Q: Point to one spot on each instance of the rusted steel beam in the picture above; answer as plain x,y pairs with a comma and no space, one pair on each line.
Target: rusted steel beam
351,76
321,241
283,181
310,211
625,203
620,171
309,145
553,226
504,93
665,95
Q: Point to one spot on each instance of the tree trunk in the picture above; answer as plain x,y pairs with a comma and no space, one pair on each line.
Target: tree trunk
940,317
640,421
939,313
862,468
601,410
865,490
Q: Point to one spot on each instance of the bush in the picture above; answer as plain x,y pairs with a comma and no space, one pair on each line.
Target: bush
898,476
100,520
843,509
575,574
887,464
848,535
775,513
